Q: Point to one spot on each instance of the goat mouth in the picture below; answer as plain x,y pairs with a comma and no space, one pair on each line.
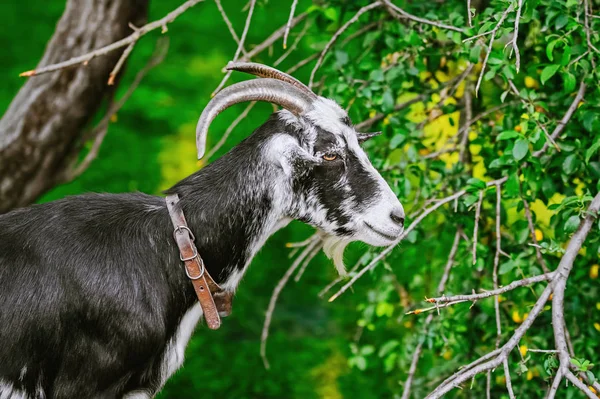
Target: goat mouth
381,233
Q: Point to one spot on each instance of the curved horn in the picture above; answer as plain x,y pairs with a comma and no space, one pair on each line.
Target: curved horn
270,90
264,71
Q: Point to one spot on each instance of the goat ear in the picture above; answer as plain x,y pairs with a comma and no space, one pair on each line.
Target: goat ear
362,137
297,158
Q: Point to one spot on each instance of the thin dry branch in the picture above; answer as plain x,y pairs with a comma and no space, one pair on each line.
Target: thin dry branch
398,12
515,37
289,23
239,48
495,292
229,25
557,285
294,45
469,16
542,127
491,43
565,119
272,38
275,296
476,228
131,39
113,74
100,131
306,262
441,287
468,114
588,33
337,34
560,283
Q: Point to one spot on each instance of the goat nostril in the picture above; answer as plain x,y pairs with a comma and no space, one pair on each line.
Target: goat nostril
398,218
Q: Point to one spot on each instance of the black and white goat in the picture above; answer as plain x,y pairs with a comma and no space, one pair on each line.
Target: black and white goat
94,300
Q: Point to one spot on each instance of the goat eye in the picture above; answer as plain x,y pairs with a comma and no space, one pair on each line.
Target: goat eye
329,157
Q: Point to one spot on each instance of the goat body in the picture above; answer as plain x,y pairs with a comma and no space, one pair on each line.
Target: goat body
94,300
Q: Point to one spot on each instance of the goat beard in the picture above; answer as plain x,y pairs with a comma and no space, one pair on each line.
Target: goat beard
334,249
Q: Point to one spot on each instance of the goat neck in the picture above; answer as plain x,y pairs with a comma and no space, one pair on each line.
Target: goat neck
233,205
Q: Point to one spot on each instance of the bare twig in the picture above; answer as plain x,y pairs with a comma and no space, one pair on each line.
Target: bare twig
273,38
289,23
468,114
275,296
308,259
495,292
441,287
229,25
515,37
134,37
588,35
565,119
525,103
497,298
489,50
294,45
100,131
476,228
119,65
398,12
557,285
239,48
469,16
337,34
560,283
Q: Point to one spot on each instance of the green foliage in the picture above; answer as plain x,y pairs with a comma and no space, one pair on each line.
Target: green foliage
362,344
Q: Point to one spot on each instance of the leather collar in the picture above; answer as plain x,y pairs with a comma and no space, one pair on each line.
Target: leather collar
213,299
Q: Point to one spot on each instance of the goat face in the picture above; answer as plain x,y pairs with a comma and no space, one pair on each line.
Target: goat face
328,180
334,186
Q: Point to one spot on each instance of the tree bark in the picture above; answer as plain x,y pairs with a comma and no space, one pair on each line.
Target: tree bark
42,130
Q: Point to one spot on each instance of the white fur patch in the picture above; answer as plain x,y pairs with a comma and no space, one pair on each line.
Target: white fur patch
7,391
175,352
137,395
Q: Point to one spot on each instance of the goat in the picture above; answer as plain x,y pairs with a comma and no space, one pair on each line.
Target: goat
94,300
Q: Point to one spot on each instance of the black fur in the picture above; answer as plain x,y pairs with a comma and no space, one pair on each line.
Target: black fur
92,288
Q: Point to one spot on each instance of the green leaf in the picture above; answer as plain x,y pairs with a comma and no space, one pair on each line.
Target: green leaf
388,101
572,224
520,149
548,72
592,150
476,183
550,49
509,134
387,347
571,164
568,82
566,56
588,120
474,54
507,267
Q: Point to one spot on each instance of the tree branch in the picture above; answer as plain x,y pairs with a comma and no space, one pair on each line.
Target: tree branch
129,40
565,119
337,34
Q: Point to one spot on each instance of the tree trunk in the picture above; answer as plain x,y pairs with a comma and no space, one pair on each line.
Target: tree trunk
42,130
